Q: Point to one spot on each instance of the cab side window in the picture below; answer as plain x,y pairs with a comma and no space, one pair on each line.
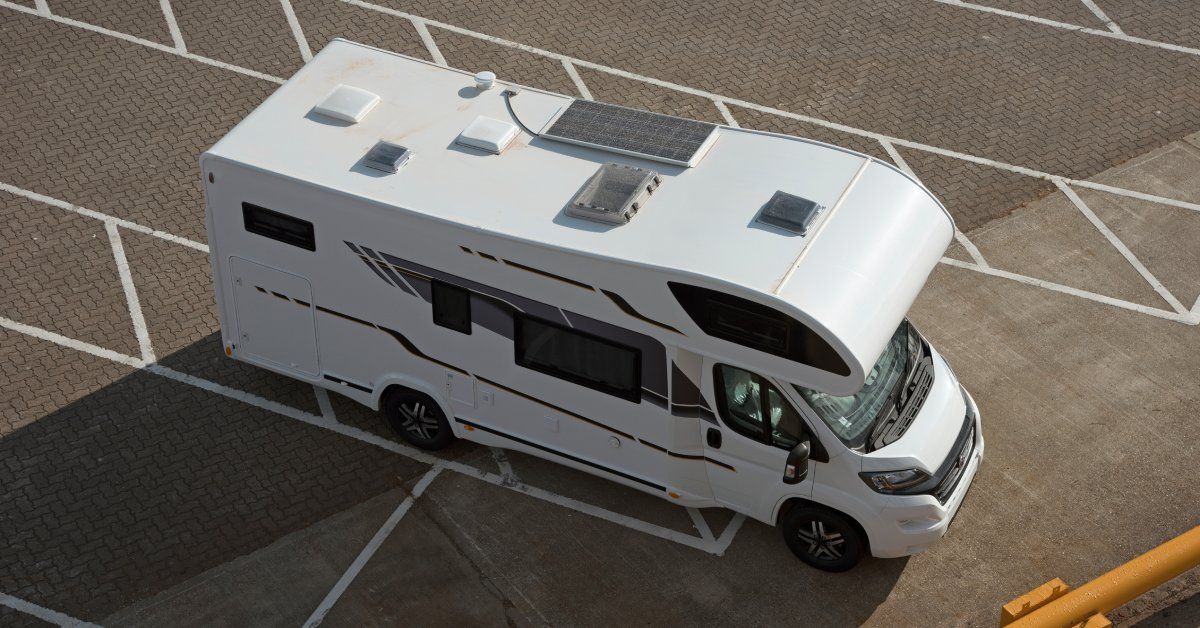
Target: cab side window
755,409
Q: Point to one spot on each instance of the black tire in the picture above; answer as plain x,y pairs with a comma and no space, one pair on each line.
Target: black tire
417,419
823,538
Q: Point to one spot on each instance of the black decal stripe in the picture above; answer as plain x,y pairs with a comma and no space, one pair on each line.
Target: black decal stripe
628,309
466,250
282,296
589,463
686,456
411,348
538,271
554,407
486,256
370,264
346,316
338,380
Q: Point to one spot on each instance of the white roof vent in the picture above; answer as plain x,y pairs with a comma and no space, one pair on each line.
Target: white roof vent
614,194
487,134
348,104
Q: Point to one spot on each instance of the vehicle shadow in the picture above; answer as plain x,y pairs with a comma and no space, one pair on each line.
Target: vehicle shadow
117,483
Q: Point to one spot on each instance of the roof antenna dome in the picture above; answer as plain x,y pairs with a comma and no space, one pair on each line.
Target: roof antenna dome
484,80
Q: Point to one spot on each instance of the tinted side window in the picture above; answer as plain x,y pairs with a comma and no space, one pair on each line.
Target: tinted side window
577,357
757,326
272,224
754,408
451,306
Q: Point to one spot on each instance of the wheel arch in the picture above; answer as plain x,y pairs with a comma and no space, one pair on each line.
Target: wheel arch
791,502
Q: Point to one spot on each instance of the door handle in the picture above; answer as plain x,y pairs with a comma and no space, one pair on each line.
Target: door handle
713,437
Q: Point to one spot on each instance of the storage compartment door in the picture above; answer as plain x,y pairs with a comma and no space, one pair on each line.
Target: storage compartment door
275,318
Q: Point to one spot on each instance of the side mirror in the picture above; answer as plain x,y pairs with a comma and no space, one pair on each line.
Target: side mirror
796,468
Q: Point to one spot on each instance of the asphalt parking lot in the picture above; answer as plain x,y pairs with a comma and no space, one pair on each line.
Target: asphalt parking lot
146,479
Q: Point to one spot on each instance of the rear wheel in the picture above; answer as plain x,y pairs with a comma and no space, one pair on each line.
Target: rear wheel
823,538
417,418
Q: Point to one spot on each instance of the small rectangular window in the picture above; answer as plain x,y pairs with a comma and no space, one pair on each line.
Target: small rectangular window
272,224
451,306
577,357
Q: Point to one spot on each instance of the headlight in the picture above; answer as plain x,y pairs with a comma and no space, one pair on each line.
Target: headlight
895,482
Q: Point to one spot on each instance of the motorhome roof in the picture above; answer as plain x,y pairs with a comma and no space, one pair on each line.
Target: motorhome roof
700,220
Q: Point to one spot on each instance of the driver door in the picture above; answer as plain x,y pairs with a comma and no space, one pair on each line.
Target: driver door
750,445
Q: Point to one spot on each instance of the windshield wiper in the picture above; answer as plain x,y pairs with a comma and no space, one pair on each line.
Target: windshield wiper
891,408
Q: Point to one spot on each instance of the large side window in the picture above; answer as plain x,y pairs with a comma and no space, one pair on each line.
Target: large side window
754,408
272,224
577,357
451,306
757,326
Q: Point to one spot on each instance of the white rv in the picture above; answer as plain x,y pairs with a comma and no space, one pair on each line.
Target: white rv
712,315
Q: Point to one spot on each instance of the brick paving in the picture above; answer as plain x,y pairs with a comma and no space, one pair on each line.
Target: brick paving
140,18
116,484
112,126
250,33
752,119
1170,21
324,20
972,192
145,482
1069,11
57,272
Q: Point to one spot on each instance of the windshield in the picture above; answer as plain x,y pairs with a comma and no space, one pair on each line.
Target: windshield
851,417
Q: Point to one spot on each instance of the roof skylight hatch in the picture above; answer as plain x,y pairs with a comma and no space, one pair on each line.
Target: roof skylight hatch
387,157
790,213
655,136
614,194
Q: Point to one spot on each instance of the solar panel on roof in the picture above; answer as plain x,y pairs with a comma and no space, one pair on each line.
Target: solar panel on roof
655,136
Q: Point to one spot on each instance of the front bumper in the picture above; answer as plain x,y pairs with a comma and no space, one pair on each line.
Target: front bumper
911,524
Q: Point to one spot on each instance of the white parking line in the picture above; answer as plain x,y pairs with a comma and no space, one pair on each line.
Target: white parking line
297,31
1112,26
1120,246
131,296
701,524
1073,27
500,457
83,211
1189,319
43,613
42,8
423,32
727,114
172,25
367,552
324,403
584,92
141,42
726,538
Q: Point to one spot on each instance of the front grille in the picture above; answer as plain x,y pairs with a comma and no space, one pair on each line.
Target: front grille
961,460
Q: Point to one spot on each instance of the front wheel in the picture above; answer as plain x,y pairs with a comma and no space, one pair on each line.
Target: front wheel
823,538
417,419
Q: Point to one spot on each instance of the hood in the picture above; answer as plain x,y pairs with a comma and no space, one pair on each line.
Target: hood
928,441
